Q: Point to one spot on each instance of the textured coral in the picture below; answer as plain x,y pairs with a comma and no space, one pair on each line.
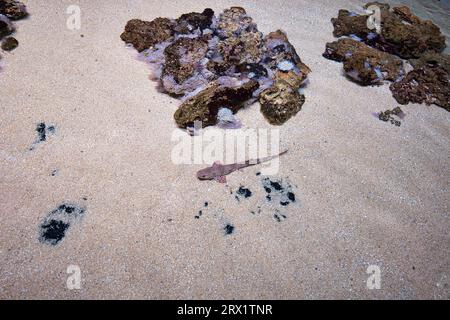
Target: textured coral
182,59
6,27
9,44
282,99
219,63
362,63
432,59
13,9
402,33
143,34
366,57
206,104
426,84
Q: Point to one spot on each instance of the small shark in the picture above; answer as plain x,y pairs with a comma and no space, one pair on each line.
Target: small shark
219,171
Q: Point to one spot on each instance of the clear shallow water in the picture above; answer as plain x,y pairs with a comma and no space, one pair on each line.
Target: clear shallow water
435,10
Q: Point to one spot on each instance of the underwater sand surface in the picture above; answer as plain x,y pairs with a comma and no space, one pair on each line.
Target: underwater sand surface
366,192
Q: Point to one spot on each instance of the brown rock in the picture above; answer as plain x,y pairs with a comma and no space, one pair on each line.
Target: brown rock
363,63
347,23
432,59
402,33
189,22
426,84
143,34
9,44
182,57
6,27
13,9
282,100
279,49
205,105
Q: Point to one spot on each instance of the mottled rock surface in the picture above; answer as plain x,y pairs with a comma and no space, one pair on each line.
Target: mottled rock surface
426,84
143,34
432,59
282,99
368,56
6,27
9,44
182,59
402,33
205,105
13,9
220,62
362,63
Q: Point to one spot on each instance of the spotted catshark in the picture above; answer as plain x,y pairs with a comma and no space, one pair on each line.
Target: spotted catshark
219,171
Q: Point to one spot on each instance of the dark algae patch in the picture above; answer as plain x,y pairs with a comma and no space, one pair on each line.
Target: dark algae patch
278,191
244,192
229,229
55,225
42,132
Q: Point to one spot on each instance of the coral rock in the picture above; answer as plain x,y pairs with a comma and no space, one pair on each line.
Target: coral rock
12,9
432,59
189,22
182,58
6,27
364,64
279,49
426,84
143,34
282,100
402,33
205,105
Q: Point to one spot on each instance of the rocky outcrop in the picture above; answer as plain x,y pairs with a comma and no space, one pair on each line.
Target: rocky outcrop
13,9
364,64
205,105
143,34
218,63
369,55
429,84
401,32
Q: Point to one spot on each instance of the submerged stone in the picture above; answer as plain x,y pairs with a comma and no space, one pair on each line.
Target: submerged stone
9,44
205,105
144,34
400,33
183,60
6,27
13,9
220,62
429,84
188,22
363,63
282,100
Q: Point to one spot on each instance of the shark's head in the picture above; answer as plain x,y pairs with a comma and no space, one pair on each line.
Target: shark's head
205,174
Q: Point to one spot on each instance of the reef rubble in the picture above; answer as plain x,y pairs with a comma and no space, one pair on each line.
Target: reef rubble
373,51
10,10
220,62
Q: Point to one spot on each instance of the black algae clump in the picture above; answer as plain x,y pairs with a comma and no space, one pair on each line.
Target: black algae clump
228,229
246,193
54,227
40,129
54,231
278,191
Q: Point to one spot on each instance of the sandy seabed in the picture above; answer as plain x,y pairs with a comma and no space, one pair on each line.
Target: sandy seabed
368,193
